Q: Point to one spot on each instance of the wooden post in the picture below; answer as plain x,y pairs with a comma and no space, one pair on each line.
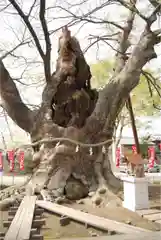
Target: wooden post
131,113
129,107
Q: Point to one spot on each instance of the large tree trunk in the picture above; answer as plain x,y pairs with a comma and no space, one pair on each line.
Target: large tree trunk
77,116
70,168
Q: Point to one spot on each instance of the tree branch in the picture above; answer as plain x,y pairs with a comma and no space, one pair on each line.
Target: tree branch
156,4
131,5
31,8
112,98
47,41
151,95
103,39
25,18
4,8
123,40
11,101
152,83
29,26
12,50
88,16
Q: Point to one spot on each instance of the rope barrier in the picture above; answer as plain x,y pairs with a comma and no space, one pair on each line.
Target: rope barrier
50,140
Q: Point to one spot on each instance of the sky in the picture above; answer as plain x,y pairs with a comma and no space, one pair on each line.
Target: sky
149,126
13,29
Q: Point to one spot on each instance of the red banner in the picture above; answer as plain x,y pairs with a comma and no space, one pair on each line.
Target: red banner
11,155
134,149
21,160
118,157
160,146
152,157
1,162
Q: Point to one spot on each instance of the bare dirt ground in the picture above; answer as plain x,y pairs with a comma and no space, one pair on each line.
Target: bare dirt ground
155,196
53,230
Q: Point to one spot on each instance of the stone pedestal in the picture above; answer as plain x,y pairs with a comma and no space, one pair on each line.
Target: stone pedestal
135,193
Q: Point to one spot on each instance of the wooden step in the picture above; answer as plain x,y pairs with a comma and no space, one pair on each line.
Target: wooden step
92,220
153,217
20,227
38,223
148,211
37,237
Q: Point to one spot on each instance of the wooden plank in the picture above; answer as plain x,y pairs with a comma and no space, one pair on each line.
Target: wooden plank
22,222
158,221
148,211
16,223
140,236
24,232
153,217
38,223
92,220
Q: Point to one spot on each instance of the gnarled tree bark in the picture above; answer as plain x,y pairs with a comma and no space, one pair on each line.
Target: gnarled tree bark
71,110
11,101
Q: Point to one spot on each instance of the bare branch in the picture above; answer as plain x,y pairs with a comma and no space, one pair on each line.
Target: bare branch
131,5
11,101
152,81
153,16
100,21
151,78
123,40
47,41
11,51
88,16
29,26
45,56
18,79
4,8
30,11
105,39
96,9
90,45
151,92
69,24
156,4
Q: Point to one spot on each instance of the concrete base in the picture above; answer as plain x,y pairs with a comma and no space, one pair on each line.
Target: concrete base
136,195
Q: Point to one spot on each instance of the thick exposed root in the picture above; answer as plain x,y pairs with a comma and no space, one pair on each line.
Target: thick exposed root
6,203
10,201
66,174
104,196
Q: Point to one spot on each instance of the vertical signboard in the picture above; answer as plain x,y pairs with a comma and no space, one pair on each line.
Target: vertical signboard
1,162
152,157
11,157
21,160
134,149
118,157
